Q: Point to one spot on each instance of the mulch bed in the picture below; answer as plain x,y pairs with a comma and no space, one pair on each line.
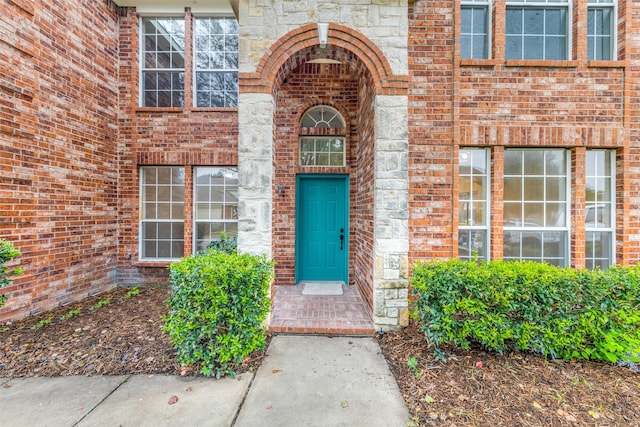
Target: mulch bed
479,388
474,388
123,336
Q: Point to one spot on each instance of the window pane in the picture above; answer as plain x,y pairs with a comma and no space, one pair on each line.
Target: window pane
513,188
472,203
216,196
163,49
534,32
162,193
514,21
534,202
555,21
533,21
472,243
216,54
599,219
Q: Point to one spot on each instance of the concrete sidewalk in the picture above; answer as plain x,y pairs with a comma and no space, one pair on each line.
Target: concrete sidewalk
303,381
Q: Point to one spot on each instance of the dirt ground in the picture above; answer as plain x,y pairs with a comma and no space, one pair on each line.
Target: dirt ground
119,332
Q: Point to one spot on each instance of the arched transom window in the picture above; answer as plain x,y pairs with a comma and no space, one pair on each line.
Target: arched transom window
322,150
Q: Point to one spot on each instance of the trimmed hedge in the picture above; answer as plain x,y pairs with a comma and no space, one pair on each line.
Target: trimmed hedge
218,305
558,312
7,253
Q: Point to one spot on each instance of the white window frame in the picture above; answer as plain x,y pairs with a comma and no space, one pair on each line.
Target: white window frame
613,6
485,197
141,61
233,170
611,229
156,220
543,4
322,117
223,70
478,4
566,229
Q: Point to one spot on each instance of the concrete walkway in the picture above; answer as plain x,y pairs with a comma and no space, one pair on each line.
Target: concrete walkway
303,381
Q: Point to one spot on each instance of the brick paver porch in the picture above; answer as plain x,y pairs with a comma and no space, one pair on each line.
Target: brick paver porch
345,314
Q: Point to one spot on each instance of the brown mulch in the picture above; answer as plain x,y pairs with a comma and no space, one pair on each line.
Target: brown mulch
480,388
118,338
474,388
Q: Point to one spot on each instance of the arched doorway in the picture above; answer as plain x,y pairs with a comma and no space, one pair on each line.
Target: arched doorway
350,77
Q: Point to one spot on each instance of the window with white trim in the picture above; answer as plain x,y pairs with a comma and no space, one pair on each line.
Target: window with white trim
215,46
474,29
216,204
601,29
162,63
322,150
473,204
599,216
537,29
162,212
536,205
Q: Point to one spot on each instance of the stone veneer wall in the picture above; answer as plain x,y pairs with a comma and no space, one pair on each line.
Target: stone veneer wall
255,172
391,212
385,23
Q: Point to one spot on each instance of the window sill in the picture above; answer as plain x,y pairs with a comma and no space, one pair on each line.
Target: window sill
479,62
541,63
606,64
159,109
215,109
153,264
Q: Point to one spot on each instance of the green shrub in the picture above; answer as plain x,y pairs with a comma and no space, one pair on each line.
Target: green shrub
558,312
7,253
218,305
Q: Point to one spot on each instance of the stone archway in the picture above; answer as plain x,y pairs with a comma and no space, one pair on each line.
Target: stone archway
375,102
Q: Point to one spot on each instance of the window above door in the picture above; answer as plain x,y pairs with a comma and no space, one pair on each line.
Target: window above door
320,150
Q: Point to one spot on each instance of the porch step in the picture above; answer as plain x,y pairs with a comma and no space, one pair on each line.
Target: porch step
295,313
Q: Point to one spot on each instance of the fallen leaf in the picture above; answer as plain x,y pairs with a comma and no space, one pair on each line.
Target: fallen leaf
344,404
478,365
6,385
269,406
428,399
462,398
537,405
275,371
594,414
189,388
173,399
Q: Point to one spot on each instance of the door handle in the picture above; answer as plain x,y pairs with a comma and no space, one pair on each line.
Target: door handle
341,238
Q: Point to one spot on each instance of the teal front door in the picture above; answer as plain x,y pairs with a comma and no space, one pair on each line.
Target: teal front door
322,228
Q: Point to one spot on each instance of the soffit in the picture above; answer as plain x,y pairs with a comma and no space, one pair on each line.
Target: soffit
177,6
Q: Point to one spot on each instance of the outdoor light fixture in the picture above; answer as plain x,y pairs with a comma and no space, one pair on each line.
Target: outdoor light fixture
280,190
323,30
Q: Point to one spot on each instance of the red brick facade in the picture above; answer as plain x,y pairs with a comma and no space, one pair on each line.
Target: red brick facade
58,150
73,137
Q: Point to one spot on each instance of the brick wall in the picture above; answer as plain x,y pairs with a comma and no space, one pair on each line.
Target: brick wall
497,103
185,137
431,129
58,149
363,214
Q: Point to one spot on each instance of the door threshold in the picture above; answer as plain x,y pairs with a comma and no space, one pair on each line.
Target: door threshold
318,287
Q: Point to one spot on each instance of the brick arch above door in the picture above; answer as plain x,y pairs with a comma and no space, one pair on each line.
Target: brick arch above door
302,45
